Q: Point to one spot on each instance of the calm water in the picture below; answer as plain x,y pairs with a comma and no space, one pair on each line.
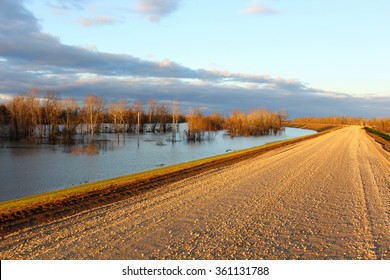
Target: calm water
27,169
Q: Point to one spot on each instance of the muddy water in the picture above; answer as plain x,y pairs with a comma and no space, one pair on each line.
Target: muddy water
27,169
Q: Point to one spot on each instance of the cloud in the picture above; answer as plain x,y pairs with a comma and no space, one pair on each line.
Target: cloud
91,47
165,63
31,58
61,6
97,21
155,10
22,42
257,7
15,18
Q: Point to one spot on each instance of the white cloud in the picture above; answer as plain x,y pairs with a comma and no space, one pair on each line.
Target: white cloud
5,98
100,20
155,10
91,47
165,63
60,7
257,7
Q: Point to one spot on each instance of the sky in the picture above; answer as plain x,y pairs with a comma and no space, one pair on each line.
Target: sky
312,58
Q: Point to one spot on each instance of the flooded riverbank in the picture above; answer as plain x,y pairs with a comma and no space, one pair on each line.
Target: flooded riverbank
28,169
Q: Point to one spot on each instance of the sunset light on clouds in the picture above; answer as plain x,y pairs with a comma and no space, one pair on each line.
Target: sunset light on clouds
309,57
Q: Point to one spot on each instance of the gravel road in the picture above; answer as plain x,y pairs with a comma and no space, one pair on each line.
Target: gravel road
324,198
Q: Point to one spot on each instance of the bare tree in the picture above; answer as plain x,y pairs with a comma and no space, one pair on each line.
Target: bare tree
163,116
93,109
52,109
18,116
196,125
175,119
282,115
34,114
133,111
70,118
255,122
5,117
25,114
151,109
233,124
117,113
122,115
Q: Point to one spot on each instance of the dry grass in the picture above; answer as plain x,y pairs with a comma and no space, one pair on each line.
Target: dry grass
314,126
380,137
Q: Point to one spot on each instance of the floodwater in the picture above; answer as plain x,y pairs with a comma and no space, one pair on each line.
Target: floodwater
28,169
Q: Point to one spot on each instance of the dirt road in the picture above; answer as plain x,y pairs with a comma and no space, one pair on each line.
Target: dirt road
324,198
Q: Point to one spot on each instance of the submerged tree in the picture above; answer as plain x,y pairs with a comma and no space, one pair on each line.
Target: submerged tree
233,124
35,115
70,118
31,117
255,122
92,112
133,112
4,120
175,119
163,116
201,127
25,116
151,110
52,110
19,120
117,112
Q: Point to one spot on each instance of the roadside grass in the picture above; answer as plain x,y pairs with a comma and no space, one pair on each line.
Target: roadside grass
314,126
379,136
84,190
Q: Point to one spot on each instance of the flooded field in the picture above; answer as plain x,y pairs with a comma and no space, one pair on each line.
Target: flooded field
28,169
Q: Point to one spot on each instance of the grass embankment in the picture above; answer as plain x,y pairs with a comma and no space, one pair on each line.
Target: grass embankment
380,137
38,209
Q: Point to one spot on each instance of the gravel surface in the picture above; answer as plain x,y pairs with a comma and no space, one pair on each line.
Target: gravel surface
324,198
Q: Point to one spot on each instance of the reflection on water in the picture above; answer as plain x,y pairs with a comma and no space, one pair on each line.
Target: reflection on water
27,169
89,149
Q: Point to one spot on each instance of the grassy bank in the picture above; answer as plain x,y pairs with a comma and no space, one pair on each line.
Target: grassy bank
380,137
314,126
37,209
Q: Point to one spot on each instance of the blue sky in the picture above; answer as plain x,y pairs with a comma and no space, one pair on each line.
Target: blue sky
309,57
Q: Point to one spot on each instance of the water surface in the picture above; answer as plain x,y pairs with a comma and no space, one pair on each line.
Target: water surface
27,169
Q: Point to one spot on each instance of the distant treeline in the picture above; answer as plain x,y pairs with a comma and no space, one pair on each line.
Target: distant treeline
30,117
382,124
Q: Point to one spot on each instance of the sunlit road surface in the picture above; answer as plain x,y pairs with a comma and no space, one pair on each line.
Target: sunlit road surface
324,198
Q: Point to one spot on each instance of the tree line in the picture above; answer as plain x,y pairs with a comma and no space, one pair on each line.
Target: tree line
30,117
49,118
256,122
382,124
